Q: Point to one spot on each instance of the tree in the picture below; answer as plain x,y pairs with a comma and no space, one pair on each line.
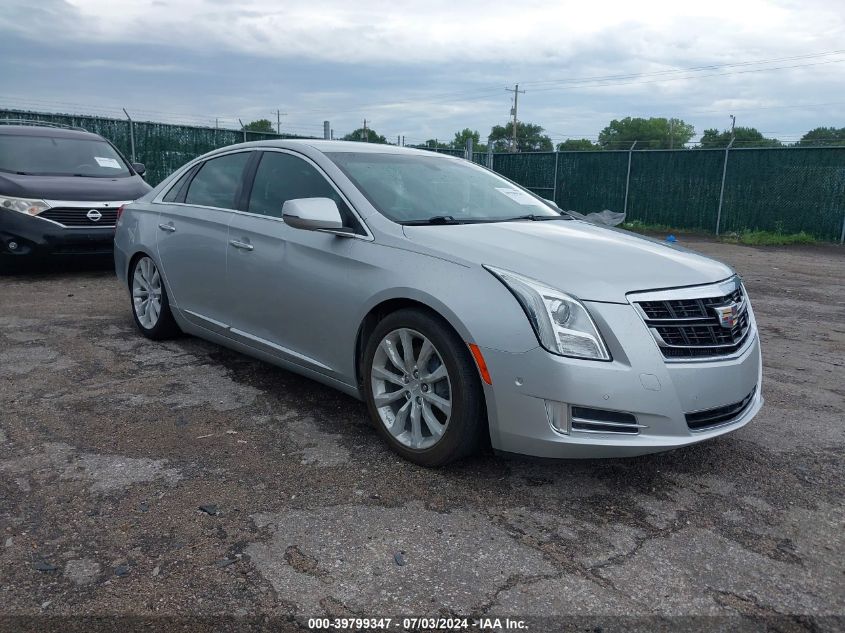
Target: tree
651,133
461,137
824,136
529,138
578,145
261,125
743,137
371,136
433,143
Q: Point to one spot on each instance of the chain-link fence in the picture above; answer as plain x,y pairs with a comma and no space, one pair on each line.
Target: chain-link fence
779,189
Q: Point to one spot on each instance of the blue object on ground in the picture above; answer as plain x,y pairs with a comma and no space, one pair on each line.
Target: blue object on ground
671,238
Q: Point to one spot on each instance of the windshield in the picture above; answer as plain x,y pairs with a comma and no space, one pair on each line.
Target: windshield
418,189
50,156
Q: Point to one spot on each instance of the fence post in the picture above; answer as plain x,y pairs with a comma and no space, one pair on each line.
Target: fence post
554,184
722,189
842,235
131,133
243,129
468,150
628,177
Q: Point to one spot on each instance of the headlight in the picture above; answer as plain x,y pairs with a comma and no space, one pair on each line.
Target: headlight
561,322
23,205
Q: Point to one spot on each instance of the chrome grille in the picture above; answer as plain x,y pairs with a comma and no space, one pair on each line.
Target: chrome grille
79,217
689,327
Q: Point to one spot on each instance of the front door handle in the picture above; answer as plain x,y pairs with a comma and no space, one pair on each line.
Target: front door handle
242,245
167,227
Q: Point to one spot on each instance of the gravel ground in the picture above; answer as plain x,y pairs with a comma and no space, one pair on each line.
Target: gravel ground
181,483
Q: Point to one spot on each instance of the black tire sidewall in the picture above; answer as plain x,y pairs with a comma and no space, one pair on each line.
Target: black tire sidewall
462,433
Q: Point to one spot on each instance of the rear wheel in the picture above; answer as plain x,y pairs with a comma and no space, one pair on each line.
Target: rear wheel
150,306
422,388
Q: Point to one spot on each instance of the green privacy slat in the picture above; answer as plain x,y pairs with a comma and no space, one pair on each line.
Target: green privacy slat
783,189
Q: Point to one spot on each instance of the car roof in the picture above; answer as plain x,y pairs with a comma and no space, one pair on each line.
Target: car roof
340,146
47,131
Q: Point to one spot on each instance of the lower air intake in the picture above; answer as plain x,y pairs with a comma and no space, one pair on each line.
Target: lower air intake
590,420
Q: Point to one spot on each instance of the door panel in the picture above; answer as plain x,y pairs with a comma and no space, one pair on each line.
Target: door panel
192,251
291,292
191,238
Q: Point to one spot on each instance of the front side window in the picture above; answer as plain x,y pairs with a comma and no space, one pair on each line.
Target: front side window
218,182
281,177
60,156
413,188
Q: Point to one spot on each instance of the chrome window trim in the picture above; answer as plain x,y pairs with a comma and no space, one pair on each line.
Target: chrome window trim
367,238
717,289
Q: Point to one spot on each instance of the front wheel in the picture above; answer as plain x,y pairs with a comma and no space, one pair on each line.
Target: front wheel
422,387
150,306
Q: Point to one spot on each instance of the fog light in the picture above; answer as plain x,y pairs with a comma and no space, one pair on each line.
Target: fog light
558,414
13,246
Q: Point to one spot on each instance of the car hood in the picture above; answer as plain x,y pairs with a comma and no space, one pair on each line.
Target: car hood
72,187
591,262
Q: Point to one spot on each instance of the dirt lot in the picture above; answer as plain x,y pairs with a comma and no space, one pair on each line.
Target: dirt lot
110,444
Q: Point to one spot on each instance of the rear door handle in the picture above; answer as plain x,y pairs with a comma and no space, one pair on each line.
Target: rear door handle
167,227
242,245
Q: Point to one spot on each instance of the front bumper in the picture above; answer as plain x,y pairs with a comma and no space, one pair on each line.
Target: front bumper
638,381
35,237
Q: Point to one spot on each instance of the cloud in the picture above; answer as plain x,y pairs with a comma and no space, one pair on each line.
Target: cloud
427,69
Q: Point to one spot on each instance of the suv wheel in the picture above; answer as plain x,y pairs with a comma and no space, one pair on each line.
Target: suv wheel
422,388
150,306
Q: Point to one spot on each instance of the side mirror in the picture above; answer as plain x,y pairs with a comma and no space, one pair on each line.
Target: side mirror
139,168
312,214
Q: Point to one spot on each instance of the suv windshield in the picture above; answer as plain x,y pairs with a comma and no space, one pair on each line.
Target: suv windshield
412,189
56,156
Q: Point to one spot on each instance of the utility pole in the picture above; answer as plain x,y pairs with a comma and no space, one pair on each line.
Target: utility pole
671,133
515,90
365,135
733,125
279,116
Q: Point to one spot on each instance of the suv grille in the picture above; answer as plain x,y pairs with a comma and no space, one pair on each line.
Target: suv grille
692,328
79,217
703,420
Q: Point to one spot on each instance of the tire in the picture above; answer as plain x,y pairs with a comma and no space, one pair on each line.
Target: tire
153,319
420,386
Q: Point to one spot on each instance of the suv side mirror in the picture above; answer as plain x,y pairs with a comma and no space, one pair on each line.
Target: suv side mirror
312,214
139,168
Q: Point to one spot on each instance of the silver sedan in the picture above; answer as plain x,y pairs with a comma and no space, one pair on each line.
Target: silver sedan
460,306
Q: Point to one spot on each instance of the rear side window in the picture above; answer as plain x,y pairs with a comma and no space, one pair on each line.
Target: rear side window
281,177
218,182
173,194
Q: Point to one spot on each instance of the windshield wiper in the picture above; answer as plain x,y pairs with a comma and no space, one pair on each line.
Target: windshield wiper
535,218
436,219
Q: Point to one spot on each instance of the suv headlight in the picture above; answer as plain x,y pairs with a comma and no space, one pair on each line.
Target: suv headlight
562,323
23,205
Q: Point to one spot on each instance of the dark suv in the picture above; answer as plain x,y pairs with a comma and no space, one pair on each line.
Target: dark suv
60,191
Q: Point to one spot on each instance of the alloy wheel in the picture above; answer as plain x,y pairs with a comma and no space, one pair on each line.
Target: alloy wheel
146,293
411,388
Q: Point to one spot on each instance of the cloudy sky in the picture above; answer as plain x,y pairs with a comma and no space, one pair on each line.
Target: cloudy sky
426,69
